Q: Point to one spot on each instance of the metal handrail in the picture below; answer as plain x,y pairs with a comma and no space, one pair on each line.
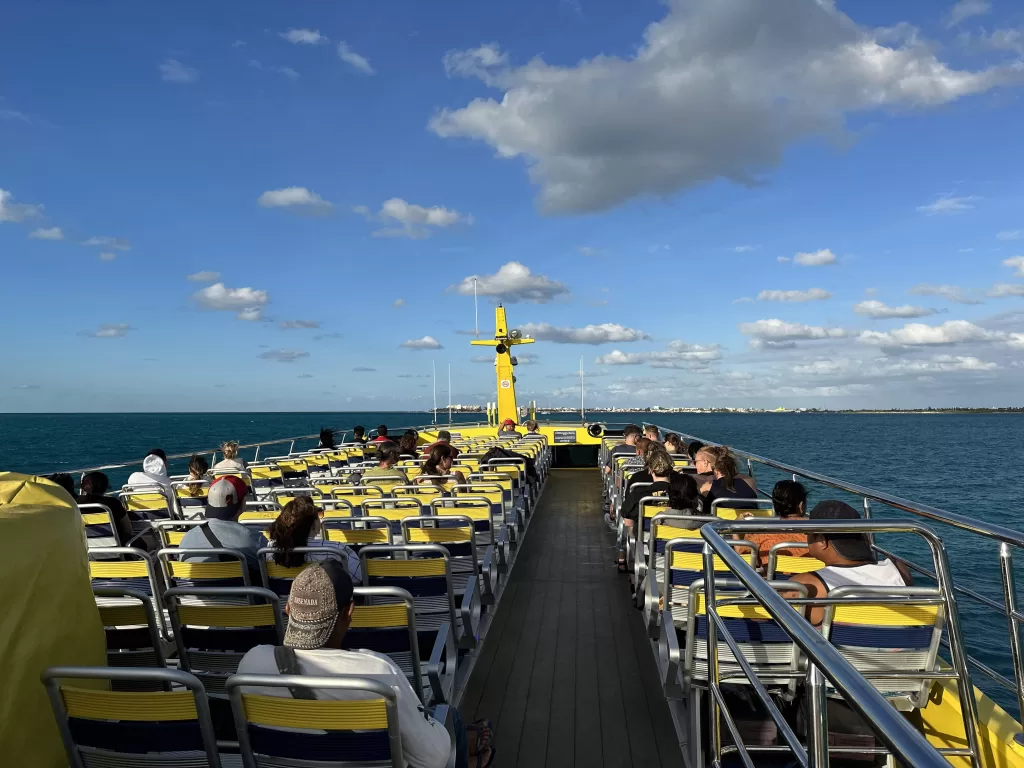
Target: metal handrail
905,742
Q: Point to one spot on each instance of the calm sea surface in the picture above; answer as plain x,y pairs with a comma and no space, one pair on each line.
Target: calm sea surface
962,463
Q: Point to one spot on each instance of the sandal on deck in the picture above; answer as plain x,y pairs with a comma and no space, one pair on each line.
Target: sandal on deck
621,565
484,730
479,761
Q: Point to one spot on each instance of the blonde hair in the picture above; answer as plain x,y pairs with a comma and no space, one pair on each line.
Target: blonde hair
659,463
230,449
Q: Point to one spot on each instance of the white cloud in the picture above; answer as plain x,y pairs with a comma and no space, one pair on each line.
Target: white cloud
398,303
678,355
589,334
284,355
780,334
745,248
108,256
238,44
1010,234
294,325
13,212
948,204
414,221
288,72
876,309
1002,290
105,241
248,303
1015,262
304,36
173,71
427,342
618,357
353,59
109,331
15,116
965,9
512,283
298,199
203,277
812,294
714,90
47,233
952,293
921,334
820,258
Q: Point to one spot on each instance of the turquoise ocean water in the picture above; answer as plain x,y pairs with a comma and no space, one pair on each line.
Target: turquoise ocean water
962,463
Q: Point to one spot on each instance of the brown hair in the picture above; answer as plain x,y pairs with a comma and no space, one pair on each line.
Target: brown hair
198,466
674,443
725,463
659,462
292,529
407,444
432,466
642,445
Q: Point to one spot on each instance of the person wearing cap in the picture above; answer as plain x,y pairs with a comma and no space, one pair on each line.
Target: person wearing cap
224,504
319,612
508,429
849,560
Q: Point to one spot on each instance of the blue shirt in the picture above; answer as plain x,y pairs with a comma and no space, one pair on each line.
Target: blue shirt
231,535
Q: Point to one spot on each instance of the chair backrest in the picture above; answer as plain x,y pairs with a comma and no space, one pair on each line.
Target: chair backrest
279,730
456,533
149,503
477,508
191,493
100,529
282,496
787,565
215,627
384,620
132,569
394,510
121,728
232,571
279,578
131,628
683,567
493,492
357,532
425,492
292,469
734,509
356,495
171,532
884,630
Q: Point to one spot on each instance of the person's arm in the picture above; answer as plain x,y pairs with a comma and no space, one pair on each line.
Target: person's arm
815,588
908,577
630,504
425,741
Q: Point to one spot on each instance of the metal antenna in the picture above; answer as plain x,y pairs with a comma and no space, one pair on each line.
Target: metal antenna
582,411
476,312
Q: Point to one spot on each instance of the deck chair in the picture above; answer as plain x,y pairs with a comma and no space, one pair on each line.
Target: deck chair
317,464
425,492
278,578
171,532
265,510
487,532
294,471
780,565
232,571
282,496
126,568
191,495
457,534
147,503
501,510
116,729
266,477
394,510
357,495
275,729
358,532
100,529
133,633
724,508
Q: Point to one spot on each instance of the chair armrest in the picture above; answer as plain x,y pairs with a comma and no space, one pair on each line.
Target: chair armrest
669,655
469,615
487,569
440,668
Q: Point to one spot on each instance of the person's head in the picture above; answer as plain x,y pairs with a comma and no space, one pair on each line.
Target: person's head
660,464
508,425
641,445
387,454
682,492
694,448
358,432
326,437
407,444
532,427
94,484
198,466
444,436
838,548
226,498
64,480
159,452
439,461
674,443
299,520
789,499
725,467
650,446
414,433
651,432
382,430
319,607
704,459
155,462
631,434
230,450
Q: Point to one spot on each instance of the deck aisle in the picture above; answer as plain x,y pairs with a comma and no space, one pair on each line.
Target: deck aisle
566,671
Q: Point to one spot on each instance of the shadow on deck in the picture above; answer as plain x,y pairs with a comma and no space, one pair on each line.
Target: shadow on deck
566,670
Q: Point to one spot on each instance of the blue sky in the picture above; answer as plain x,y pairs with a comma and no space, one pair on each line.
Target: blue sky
712,203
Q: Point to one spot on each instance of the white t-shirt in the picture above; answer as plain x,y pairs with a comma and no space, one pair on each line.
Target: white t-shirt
881,574
425,742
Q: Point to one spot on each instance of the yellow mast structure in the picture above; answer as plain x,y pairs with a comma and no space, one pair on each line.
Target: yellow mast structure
504,363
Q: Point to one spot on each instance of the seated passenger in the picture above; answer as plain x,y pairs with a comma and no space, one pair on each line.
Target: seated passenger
849,560
660,466
627,447
224,504
326,439
231,461
386,473
444,437
508,429
726,482
682,494
154,471
693,448
299,525
439,465
407,447
382,434
359,435
198,466
789,499
640,449
320,609
533,429
93,490
644,449
651,432
674,445
64,480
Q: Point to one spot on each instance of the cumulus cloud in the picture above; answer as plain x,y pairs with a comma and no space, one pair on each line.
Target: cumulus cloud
108,256
952,293
812,294
205,276
288,72
109,331
427,342
405,219
589,334
947,204
922,334
821,258
294,325
679,354
298,199
1002,290
11,211
173,71
283,355
398,303
780,334
248,303
1015,262
304,36
877,310
353,59
105,241
47,233
512,283
965,9
745,248
715,90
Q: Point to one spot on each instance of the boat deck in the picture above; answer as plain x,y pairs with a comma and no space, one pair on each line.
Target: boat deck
566,670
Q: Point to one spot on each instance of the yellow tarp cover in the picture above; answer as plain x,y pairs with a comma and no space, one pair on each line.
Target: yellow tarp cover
48,616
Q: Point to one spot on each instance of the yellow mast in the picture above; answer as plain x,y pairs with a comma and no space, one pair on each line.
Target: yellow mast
503,342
